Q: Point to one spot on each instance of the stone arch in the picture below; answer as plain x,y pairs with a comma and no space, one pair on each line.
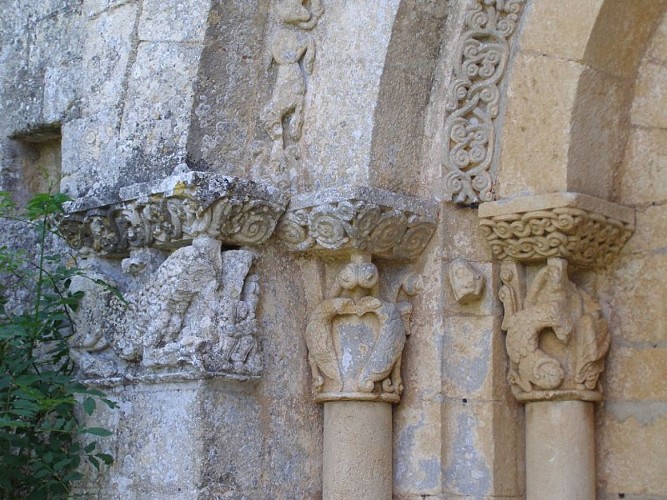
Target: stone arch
578,60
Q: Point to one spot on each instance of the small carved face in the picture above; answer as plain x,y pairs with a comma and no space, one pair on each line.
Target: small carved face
292,11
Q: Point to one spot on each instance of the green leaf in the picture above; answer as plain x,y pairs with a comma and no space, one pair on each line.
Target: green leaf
89,405
97,431
105,457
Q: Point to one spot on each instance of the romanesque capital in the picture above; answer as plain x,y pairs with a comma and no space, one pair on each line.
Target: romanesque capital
355,337
358,219
585,230
557,339
171,213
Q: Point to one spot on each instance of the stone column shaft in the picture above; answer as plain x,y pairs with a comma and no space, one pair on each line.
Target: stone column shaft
560,450
357,461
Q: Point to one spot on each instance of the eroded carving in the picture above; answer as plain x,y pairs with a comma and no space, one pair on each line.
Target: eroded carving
292,49
467,283
376,222
193,317
556,336
470,129
174,212
355,338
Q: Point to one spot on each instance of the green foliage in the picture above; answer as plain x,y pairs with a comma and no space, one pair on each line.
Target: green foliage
40,436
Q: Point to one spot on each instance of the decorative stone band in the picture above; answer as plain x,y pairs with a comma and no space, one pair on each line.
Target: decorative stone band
586,231
470,128
170,213
354,219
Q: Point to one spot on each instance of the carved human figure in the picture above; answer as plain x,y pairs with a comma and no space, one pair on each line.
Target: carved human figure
355,338
554,303
293,50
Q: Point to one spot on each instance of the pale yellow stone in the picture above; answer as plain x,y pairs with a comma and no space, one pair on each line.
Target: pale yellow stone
642,176
461,236
560,450
649,107
357,452
650,230
622,28
632,454
657,48
634,374
639,295
560,29
534,152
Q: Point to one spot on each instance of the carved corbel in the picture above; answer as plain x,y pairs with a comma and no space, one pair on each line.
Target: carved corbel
556,337
355,336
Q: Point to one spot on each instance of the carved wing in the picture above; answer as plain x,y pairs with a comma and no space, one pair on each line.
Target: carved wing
592,344
319,341
387,349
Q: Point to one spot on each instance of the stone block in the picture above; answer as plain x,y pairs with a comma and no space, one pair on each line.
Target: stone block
649,108
645,167
657,48
173,20
631,451
534,156
638,298
461,236
418,448
473,359
560,29
650,230
477,439
636,373
157,111
93,8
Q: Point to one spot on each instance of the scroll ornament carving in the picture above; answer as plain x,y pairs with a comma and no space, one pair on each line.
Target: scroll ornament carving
556,337
193,317
356,225
355,338
292,49
194,204
582,237
470,129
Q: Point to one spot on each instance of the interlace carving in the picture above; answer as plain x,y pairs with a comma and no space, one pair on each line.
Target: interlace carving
556,337
582,237
469,132
355,338
292,48
193,317
181,208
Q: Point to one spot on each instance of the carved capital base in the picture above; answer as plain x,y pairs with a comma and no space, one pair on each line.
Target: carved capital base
585,230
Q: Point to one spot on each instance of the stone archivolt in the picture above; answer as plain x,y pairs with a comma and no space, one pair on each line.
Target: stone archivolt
584,230
473,102
361,219
173,212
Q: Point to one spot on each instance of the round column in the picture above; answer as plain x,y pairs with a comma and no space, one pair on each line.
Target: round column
357,461
560,450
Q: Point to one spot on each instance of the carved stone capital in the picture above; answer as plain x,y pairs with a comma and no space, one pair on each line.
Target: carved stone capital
171,213
556,337
355,337
586,231
358,219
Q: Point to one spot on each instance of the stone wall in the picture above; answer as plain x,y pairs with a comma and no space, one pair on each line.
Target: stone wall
244,156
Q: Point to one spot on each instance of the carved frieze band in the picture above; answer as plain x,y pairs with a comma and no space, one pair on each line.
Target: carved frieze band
584,230
173,212
473,102
358,219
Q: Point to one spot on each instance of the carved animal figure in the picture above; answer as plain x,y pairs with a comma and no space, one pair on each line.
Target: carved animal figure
554,302
354,295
